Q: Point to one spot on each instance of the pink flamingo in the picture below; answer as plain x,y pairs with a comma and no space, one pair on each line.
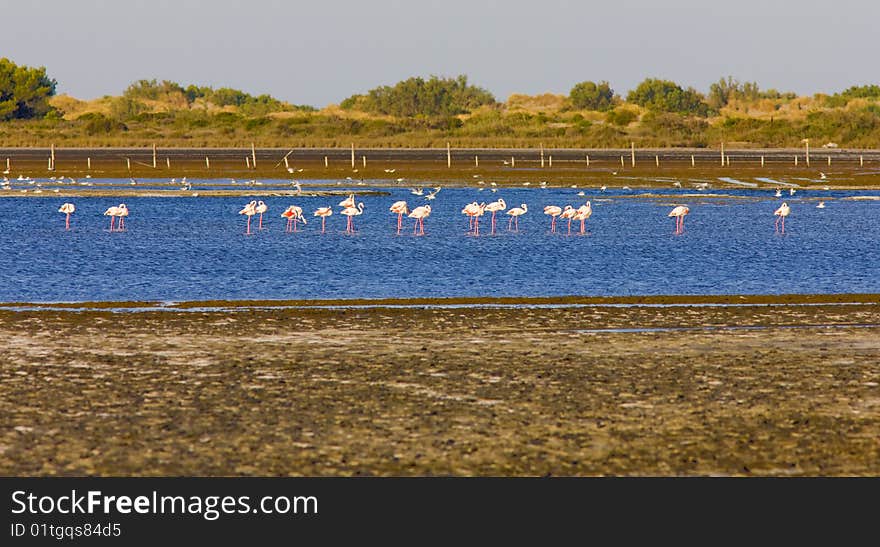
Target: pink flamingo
679,214
554,211
420,214
261,208
351,212
515,213
112,212
474,211
583,213
250,210
347,202
400,209
493,208
68,209
293,214
121,212
781,213
568,213
323,212
469,211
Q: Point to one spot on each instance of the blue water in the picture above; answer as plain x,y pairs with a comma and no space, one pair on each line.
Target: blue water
196,249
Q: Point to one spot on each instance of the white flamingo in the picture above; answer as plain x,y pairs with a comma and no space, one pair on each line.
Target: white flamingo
515,213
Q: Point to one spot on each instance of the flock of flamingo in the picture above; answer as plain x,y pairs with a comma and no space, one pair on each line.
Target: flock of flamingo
473,211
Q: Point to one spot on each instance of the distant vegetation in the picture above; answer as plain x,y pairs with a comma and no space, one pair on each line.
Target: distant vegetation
420,112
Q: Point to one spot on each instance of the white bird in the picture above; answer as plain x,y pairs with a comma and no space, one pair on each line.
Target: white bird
390,170
347,202
822,175
821,205
679,213
779,192
581,193
783,211
791,191
416,191
433,194
515,213
603,188
676,184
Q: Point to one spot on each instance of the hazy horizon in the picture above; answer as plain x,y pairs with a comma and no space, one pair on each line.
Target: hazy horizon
321,53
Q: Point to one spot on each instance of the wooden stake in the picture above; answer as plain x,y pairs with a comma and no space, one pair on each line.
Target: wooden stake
154,155
762,161
727,159
89,163
7,164
550,161
168,162
722,153
693,162
657,160
52,163
128,163
795,159
49,166
542,154
254,156
621,161
588,160
352,155
448,155
808,152
512,161
247,162
364,158
326,162
861,160
207,163
632,152
286,163
476,161
829,161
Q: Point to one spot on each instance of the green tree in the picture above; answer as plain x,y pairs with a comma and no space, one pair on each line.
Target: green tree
24,91
667,96
435,97
592,96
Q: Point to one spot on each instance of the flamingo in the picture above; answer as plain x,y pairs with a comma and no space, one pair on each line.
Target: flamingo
554,211
568,213
583,213
261,208
293,214
323,212
67,209
679,214
420,214
399,208
515,213
250,210
494,207
478,212
112,212
352,212
347,202
122,212
471,211
781,213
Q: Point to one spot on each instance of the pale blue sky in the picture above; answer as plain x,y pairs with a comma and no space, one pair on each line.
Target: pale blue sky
323,51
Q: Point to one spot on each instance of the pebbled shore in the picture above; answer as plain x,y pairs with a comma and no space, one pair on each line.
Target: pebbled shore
587,388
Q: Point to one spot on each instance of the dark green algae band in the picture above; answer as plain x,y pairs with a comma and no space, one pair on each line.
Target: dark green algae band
653,300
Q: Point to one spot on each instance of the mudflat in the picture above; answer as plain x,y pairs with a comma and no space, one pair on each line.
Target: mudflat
771,386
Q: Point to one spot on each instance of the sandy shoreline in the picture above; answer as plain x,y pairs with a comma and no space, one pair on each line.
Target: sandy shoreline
580,389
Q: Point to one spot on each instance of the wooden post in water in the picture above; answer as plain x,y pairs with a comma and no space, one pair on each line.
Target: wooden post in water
542,154
448,156
352,155
722,153
364,160
167,162
829,161
807,143
247,162
7,164
207,163
693,162
632,151
588,160
128,163
550,160
286,163
512,161
861,160
49,166
762,161
795,159
154,155
621,161
326,162
476,161
52,158
88,163
254,156
727,159
657,160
